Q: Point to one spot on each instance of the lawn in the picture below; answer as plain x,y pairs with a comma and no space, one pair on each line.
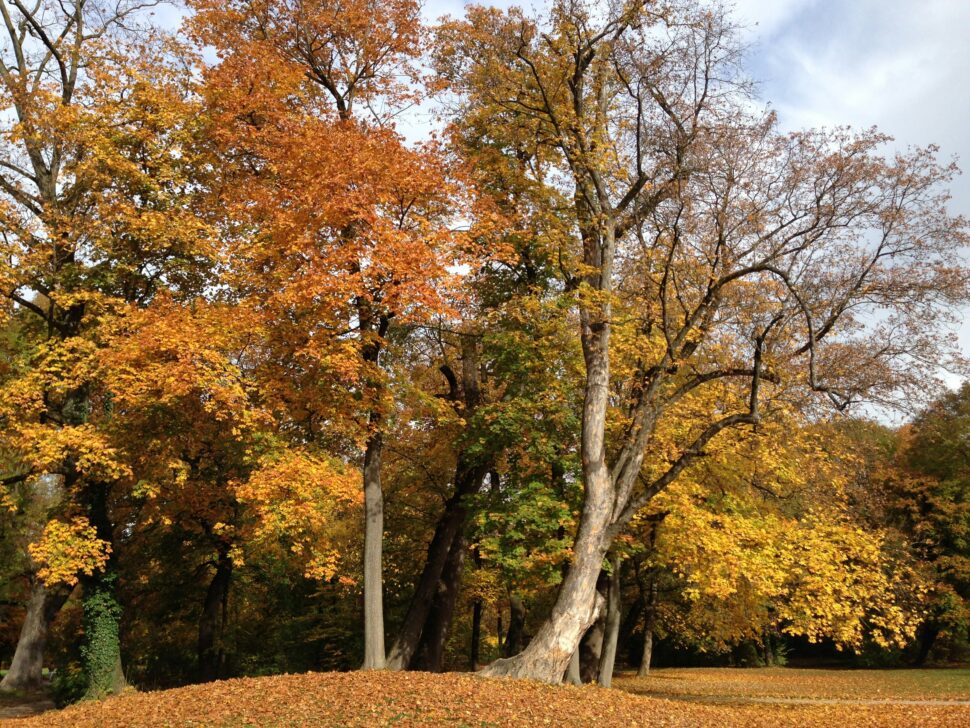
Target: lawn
801,684
421,699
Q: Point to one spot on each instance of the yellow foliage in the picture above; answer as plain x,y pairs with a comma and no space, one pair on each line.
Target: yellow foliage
67,549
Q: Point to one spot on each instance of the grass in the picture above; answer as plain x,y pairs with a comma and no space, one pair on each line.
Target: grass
780,682
421,699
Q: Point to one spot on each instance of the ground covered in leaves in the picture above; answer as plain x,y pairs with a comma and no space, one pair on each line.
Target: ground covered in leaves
802,684
417,699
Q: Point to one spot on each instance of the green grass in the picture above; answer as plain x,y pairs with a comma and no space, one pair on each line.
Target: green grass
782,682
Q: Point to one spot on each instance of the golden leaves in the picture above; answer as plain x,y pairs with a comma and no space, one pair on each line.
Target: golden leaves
67,549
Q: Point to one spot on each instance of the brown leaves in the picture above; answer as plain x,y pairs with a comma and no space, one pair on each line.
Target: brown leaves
412,699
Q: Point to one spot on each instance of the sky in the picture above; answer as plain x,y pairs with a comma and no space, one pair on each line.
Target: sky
900,65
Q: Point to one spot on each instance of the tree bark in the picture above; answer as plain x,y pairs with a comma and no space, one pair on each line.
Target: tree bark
590,651
209,654
373,554
101,652
516,634
649,620
612,634
468,480
573,675
27,667
434,636
577,604
470,475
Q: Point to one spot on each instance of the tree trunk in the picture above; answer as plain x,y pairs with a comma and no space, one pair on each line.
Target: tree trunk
468,480
101,651
373,554
928,633
573,674
610,638
434,636
516,633
209,654
577,604
477,607
649,620
27,668
475,656
590,651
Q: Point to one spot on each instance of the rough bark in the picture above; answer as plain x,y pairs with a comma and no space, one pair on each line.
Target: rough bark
373,555
27,667
209,653
434,636
469,477
468,480
612,627
515,637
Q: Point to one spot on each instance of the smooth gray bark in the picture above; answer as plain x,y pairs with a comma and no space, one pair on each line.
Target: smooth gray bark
612,627
374,656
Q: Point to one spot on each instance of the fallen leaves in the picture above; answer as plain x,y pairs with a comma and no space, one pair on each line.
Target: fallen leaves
423,699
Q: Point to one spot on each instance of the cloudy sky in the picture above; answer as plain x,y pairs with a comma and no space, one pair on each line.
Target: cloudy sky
900,65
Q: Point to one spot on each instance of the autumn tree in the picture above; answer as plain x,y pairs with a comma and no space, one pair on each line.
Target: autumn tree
95,217
339,229
750,264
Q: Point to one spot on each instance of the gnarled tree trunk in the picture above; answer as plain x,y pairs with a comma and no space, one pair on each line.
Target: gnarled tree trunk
470,474
434,636
27,668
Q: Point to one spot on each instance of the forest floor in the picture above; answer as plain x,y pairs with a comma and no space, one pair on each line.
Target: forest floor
845,698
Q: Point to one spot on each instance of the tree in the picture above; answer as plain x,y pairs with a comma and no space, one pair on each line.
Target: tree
94,216
753,264
342,228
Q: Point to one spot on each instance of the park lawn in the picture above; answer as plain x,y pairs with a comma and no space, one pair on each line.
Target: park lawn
781,682
421,699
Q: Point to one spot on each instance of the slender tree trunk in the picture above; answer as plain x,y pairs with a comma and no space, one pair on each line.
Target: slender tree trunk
577,605
468,480
573,674
27,668
590,651
209,654
477,607
516,633
434,636
475,657
649,620
612,634
373,555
